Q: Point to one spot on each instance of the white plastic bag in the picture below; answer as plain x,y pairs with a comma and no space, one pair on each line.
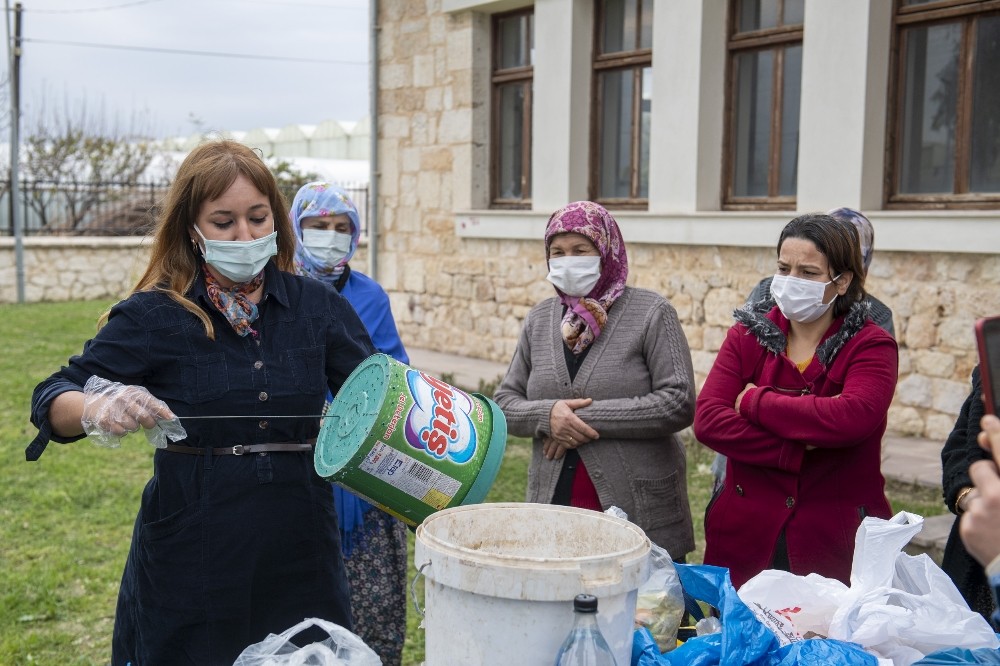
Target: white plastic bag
903,607
340,648
898,607
794,607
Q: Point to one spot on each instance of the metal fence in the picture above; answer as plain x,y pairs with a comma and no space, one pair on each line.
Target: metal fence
71,208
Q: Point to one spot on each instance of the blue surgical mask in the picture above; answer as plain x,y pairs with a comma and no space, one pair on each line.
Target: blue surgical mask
329,247
240,261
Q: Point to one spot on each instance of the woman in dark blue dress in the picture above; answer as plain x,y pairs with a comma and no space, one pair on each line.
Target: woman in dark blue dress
236,535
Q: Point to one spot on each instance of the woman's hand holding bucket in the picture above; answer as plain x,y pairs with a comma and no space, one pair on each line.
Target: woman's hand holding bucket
566,429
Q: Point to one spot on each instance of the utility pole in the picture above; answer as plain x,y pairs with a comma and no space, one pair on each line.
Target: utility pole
15,142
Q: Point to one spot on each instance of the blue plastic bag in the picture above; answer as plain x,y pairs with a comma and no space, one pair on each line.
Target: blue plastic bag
961,656
744,641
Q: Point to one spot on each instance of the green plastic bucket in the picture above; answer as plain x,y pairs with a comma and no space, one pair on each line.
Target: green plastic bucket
409,443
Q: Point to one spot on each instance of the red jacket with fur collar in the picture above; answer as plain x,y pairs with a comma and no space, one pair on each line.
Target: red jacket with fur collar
773,483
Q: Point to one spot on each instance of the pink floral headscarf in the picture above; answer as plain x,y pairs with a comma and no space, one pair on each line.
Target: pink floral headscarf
585,317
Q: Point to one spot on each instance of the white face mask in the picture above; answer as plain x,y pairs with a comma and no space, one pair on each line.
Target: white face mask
328,247
240,261
575,276
799,299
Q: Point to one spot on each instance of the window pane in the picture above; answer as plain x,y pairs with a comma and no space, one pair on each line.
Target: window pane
752,123
615,139
514,41
984,169
929,106
794,12
644,116
511,128
620,18
758,14
790,94
646,38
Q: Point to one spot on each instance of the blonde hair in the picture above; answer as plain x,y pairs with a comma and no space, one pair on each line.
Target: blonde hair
204,175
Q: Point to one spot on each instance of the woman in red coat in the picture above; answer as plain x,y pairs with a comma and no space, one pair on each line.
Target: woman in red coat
797,399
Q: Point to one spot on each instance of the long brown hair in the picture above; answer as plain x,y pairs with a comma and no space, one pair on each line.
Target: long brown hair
204,175
838,242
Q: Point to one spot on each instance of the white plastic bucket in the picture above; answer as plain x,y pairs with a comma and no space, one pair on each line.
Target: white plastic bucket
500,581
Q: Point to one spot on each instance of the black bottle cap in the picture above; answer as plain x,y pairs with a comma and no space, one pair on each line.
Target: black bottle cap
585,603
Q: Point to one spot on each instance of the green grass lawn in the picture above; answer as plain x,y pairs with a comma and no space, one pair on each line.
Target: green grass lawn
66,521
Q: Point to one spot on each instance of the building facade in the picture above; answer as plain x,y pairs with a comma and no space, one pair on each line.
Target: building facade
703,126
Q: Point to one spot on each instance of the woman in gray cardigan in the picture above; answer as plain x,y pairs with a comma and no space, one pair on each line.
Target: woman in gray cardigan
602,381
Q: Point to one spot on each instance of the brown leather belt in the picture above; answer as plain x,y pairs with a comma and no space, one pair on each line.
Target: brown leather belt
243,449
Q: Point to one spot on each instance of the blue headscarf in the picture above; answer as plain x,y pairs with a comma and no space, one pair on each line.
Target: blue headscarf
316,200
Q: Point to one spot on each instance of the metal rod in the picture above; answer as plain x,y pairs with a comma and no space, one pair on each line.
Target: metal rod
256,416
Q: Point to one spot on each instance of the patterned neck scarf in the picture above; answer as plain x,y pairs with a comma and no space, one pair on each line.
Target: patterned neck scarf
316,200
585,317
234,303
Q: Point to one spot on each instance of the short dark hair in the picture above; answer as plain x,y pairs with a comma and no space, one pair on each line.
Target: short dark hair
838,241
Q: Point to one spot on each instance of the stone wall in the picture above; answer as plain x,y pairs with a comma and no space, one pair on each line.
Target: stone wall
67,268
72,268
473,302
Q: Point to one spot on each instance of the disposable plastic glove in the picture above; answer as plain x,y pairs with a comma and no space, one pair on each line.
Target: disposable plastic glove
111,410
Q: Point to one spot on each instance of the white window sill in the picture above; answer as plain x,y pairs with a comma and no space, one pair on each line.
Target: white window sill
970,231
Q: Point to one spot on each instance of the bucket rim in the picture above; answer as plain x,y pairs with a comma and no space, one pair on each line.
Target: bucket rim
640,550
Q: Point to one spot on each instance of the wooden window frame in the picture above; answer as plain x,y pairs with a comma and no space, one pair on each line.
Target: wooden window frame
776,39
498,78
635,60
941,11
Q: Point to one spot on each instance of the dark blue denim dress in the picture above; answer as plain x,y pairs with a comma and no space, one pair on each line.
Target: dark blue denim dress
226,548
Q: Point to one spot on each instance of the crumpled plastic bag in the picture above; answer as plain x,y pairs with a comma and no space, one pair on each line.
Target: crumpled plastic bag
960,656
340,648
744,640
898,607
660,603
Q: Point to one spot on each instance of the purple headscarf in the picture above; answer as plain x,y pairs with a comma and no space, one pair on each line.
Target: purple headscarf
586,316
317,200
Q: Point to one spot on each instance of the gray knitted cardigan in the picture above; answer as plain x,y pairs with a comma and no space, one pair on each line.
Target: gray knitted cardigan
639,374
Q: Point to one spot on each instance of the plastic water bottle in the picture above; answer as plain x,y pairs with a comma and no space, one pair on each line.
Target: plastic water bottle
585,644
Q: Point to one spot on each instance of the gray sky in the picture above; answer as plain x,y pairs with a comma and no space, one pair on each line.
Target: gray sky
164,91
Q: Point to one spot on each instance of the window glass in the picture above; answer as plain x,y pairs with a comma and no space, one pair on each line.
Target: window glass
615,166
510,141
929,108
794,12
622,101
752,123
644,117
646,37
791,93
514,42
757,14
984,167
619,26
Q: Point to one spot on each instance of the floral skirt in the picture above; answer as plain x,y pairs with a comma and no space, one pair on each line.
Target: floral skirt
376,572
